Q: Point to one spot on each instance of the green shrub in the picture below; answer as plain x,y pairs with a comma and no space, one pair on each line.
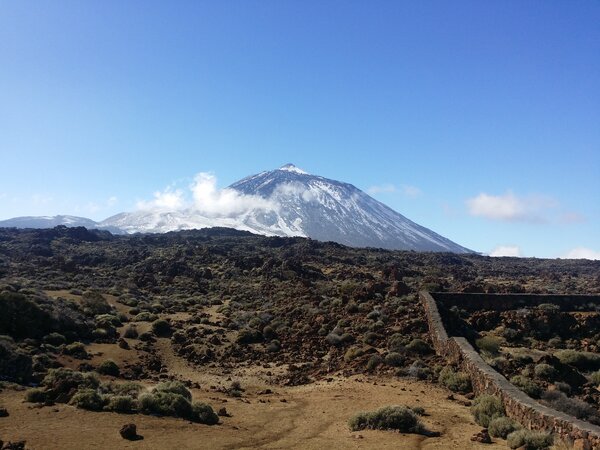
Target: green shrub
128,388
75,349
102,334
55,339
394,359
370,338
87,399
274,346
527,385
109,367
120,404
21,317
203,413
418,346
418,370
400,418
353,353
334,339
145,317
502,426
107,321
249,336
485,408
174,387
235,389
165,404
15,364
94,303
161,327
530,440
586,361
489,345
146,337
595,377
373,362
130,332
455,381
550,307
35,395
545,371
397,343
62,382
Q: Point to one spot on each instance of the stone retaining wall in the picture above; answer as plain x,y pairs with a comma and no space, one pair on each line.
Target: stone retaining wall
485,379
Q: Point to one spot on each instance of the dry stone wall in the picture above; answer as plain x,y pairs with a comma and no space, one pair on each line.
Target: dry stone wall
485,379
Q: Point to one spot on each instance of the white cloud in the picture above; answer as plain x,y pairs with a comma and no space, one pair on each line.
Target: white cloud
510,208
169,199
582,253
411,191
506,250
406,190
205,198
112,201
383,188
214,202
292,189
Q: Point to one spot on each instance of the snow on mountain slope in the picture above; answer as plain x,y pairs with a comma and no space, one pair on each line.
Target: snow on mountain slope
53,221
330,210
47,222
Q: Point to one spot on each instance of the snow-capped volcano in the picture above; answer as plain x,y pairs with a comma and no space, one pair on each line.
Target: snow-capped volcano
330,210
284,202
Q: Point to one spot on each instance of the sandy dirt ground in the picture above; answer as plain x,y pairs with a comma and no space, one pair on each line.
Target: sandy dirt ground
308,417
267,416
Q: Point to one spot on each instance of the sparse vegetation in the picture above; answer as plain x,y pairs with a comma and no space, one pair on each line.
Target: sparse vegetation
582,360
490,345
455,381
527,385
502,426
399,418
485,408
529,440
109,367
296,309
88,399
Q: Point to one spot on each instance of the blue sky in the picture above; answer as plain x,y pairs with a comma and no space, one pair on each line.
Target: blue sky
479,120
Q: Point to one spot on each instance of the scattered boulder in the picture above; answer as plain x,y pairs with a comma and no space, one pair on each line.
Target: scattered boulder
483,437
129,432
18,445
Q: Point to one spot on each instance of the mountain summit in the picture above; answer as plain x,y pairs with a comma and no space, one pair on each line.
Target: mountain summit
284,202
329,210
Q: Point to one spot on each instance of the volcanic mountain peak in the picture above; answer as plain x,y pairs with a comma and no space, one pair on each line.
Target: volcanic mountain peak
292,168
284,202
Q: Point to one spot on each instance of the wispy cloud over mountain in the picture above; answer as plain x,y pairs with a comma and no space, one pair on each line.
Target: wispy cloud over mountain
506,250
582,253
511,208
405,189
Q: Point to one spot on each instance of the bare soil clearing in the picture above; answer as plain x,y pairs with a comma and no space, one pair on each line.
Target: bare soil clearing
311,417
